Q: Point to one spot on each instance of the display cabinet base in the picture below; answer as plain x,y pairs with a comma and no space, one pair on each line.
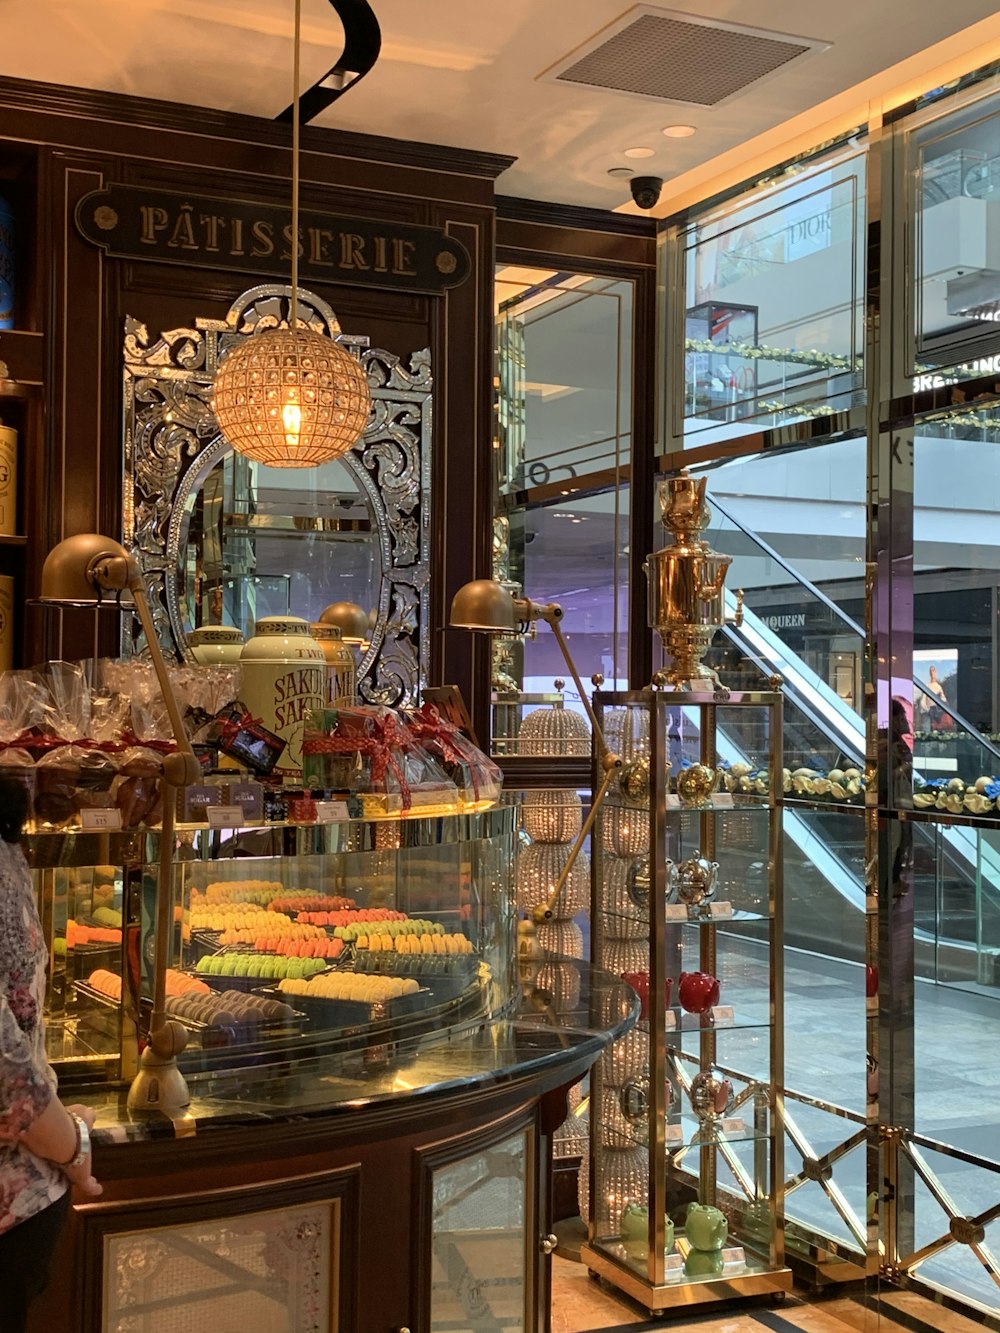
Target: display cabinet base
673,1294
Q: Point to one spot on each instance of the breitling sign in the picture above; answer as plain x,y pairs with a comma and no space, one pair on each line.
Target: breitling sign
130,222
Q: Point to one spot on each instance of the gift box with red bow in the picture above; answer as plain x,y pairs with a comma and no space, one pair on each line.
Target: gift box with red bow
370,752
477,778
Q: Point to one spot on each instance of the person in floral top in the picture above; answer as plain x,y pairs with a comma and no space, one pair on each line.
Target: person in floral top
42,1142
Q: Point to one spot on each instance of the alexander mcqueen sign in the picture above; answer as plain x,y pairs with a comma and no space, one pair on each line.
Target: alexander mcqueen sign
130,222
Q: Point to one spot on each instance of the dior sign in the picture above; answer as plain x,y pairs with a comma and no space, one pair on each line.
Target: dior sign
130,222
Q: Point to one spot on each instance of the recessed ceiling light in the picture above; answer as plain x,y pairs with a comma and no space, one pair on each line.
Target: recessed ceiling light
638,152
678,131
619,171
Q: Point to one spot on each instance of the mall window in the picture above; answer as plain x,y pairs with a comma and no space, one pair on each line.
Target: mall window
771,327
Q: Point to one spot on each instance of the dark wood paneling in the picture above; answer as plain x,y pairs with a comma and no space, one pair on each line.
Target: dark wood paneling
72,141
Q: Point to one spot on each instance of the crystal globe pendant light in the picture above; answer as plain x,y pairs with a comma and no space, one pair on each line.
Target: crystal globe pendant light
290,396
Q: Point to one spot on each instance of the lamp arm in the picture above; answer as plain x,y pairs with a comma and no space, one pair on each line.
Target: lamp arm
552,614
179,770
543,912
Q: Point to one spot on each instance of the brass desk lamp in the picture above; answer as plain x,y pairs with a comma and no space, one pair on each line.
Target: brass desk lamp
486,606
87,571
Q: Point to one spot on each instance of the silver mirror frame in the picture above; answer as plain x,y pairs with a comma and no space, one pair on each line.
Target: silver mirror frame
172,441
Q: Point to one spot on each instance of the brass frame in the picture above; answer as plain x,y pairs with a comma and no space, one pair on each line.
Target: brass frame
654,1291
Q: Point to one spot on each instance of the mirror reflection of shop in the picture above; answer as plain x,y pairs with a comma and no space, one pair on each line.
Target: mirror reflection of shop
844,673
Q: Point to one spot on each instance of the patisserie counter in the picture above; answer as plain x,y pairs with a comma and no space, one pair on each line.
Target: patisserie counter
402,1184
311,936
370,1073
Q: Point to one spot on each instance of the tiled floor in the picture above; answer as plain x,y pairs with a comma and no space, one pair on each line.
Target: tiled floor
581,1304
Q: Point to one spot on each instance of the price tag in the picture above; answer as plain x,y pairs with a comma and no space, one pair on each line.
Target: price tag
675,912
100,821
734,1257
673,1133
224,816
723,1014
673,1267
723,800
329,812
673,801
720,911
670,1021
734,1126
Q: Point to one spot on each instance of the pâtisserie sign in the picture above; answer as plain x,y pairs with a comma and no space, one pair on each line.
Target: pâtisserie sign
130,222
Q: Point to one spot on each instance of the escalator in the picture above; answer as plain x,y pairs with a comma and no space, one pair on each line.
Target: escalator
955,870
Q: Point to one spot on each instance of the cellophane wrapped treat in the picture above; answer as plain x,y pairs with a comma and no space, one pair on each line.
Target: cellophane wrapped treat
23,705
476,777
137,792
75,769
368,751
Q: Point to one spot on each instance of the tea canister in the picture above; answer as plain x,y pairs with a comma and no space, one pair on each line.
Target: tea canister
216,645
8,479
342,669
284,678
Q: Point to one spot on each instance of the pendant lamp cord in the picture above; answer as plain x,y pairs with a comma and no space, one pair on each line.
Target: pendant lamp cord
294,243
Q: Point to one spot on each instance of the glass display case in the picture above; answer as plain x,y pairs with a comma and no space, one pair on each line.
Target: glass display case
683,1194
289,940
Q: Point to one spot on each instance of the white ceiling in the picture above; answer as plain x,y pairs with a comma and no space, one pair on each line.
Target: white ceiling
466,73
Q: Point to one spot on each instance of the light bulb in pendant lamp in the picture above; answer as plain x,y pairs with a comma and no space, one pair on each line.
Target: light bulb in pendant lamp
291,397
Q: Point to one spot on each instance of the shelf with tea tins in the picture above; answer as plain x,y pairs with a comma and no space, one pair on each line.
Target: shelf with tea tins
686,907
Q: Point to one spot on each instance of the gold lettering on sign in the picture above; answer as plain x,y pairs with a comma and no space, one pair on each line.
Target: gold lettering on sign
182,236
381,264
236,245
263,234
352,250
153,220
286,232
320,238
402,256
211,224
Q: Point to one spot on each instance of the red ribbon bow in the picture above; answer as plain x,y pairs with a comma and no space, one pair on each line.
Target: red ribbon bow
427,724
380,749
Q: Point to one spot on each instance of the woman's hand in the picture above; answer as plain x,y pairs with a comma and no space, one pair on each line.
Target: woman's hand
81,1177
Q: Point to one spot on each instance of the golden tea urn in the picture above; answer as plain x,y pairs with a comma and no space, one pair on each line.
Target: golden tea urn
687,586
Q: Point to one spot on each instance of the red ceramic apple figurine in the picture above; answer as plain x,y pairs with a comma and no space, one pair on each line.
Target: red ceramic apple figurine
697,991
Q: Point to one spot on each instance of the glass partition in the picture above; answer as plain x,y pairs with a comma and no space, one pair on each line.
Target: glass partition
772,308
564,376
953,196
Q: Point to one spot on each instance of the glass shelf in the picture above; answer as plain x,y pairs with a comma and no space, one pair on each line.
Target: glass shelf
684,1022
695,917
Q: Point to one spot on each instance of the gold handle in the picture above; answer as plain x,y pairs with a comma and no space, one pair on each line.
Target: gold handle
549,1243
737,619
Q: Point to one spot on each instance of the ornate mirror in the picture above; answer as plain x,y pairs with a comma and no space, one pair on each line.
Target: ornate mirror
224,541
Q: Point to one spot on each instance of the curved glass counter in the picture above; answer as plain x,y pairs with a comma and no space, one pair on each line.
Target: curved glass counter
290,941
543,1043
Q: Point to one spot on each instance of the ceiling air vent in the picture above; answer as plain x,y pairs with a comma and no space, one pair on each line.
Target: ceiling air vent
673,57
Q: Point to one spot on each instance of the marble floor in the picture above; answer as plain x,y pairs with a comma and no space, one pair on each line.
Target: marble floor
581,1304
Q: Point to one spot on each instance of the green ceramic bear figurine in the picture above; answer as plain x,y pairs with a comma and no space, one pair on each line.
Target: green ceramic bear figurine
705,1227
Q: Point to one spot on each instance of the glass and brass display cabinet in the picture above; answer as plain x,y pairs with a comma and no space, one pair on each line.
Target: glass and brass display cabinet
349,1100
684,1193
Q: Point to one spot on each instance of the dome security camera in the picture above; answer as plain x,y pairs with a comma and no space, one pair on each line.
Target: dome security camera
646,190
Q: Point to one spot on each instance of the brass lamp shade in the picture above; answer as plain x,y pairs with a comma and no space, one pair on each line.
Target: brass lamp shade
81,569
291,397
349,618
484,605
